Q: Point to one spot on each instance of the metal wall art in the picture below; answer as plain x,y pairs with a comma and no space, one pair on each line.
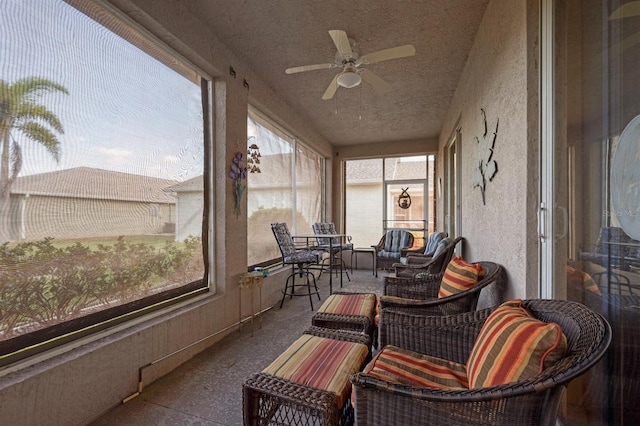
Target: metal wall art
486,164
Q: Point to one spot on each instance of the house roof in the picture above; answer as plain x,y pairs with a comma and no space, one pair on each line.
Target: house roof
86,182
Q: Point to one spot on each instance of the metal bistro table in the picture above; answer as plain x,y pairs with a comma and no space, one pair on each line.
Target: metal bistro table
310,242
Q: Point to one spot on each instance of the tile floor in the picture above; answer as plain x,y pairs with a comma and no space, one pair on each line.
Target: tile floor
207,390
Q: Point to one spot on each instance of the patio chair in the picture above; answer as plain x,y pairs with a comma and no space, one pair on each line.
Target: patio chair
300,259
333,246
388,249
428,249
422,295
422,264
532,399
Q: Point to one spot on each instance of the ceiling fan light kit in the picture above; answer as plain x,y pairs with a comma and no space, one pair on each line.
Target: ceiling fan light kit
349,59
349,78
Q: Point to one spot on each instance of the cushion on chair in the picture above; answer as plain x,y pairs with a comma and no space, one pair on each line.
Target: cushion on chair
441,245
394,241
513,345
459,276
320,363
401,366
432,243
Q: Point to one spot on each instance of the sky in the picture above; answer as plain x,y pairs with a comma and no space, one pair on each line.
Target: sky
125,110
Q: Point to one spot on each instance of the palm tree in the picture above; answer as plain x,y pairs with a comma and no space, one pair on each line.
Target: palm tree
20,112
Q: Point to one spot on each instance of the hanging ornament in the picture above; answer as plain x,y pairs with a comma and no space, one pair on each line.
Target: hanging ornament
404,201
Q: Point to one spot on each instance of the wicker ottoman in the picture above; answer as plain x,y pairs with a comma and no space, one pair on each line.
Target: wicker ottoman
347,311
308,384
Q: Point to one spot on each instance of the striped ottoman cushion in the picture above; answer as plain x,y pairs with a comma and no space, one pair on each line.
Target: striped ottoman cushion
350,304
402,366
320,363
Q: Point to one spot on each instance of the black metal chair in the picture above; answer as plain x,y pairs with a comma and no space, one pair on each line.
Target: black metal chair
300,260
334,246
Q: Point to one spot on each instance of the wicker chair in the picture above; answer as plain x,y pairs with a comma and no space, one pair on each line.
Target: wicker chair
390,246
436,264
428,248
534,401
419,296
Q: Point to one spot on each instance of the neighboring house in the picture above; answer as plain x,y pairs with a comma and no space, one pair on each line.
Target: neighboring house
189,207
87,202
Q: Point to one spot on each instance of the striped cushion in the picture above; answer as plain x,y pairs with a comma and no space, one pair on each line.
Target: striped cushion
320,363
350,304
394,241
512,346
402,366
459,276
432,243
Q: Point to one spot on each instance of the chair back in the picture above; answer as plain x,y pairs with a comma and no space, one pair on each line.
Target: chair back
433,241
283,238
394,241
422,293
325,228
437,263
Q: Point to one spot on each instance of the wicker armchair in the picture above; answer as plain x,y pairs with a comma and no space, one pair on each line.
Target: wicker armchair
419,296
435,264
388,249
534,401
428,248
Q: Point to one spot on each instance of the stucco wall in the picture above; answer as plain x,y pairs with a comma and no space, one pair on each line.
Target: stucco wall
495,79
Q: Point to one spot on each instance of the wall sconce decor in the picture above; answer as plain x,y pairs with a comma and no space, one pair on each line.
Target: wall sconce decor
238,171
253,158
487,166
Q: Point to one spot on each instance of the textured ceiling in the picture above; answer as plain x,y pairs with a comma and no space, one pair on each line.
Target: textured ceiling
274,35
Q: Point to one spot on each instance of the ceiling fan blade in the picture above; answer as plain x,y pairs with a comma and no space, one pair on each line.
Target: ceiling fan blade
341,41
308,68
331,90
392,53
378,83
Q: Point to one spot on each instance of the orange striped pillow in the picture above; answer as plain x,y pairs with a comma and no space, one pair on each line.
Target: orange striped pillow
513,345
459,276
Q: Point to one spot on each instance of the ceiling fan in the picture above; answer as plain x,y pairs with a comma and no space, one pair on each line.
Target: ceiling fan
350,60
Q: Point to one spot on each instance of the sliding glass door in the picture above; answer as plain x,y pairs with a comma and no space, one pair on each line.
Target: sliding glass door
590,189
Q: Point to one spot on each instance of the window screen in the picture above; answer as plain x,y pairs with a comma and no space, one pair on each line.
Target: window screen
102,137
273,192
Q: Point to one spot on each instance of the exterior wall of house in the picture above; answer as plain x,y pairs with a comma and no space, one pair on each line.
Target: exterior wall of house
85,218
495,79
189,214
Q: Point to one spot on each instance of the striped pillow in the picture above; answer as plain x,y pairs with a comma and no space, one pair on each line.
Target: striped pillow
401,366
512,346
459,276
